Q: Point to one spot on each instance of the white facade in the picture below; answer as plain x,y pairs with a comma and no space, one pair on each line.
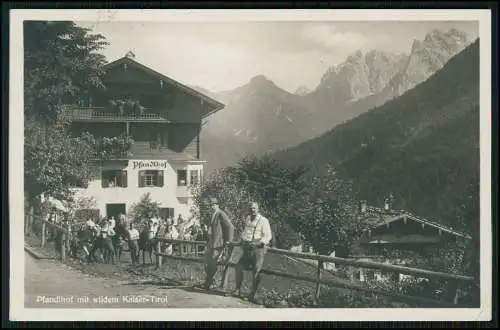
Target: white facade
168,183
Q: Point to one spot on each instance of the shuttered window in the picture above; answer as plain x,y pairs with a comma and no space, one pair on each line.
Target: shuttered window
114,178
182,177
151,178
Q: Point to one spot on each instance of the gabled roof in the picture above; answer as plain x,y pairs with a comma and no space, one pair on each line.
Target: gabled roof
385,217
133,63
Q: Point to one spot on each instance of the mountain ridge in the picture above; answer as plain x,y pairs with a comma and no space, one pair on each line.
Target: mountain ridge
261,117
422,146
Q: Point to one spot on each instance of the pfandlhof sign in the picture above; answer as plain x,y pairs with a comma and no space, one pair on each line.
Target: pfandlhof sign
149,164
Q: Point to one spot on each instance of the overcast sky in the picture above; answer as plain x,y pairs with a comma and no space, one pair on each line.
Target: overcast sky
223,56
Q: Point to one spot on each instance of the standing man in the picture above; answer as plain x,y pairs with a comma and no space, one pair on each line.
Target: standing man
220,232
154,221
133,239
254,241
105,241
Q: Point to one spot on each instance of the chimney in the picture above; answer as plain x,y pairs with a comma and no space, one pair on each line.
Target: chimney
130,55
362,206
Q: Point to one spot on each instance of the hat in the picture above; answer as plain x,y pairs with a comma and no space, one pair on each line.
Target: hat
213,200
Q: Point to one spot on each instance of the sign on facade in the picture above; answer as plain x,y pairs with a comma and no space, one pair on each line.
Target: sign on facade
150,164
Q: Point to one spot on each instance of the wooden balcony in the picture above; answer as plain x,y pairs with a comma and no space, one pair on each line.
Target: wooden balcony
101,153
142,150
99,114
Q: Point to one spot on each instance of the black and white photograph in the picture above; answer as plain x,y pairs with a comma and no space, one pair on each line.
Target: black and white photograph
250,165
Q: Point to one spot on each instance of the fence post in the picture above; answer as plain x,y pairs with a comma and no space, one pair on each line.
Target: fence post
63,245
158,256
455,292
43,233
318,277
26,224
69,237
226,266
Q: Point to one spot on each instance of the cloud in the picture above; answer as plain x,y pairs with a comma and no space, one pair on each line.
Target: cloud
224,55
330,37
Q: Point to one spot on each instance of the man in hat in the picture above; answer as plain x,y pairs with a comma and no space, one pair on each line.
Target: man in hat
220,232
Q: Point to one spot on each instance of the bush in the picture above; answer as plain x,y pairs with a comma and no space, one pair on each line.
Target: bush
329,298
144,209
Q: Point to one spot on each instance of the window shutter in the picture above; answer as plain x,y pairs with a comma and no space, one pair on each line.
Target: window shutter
124,179
160,178
141,179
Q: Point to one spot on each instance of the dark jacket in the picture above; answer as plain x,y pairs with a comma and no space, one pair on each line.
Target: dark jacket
221,230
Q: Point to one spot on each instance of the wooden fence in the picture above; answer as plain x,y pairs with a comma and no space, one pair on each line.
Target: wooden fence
60,232
454,281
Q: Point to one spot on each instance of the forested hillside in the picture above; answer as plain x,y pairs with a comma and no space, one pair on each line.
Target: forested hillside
423,146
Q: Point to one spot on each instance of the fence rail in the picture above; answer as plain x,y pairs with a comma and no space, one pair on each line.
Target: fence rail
59,232
455,281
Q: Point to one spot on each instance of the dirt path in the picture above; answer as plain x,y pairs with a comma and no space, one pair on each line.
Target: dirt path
49,283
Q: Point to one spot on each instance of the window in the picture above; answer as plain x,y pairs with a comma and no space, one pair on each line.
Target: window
181,177
166,212
370,275
114,178
194,177
158,139
151,178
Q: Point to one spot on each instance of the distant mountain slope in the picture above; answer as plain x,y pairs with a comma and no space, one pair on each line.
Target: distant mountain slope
422,146
365,81
302,90
260,117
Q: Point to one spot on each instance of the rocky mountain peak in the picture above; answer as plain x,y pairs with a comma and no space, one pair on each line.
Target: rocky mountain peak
360,75
260,79
302,90
426,57
357,56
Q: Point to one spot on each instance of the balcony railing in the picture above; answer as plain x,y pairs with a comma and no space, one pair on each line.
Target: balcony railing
104,114
139,149
106,152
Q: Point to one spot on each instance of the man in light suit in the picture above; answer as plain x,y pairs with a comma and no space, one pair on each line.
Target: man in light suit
220,232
